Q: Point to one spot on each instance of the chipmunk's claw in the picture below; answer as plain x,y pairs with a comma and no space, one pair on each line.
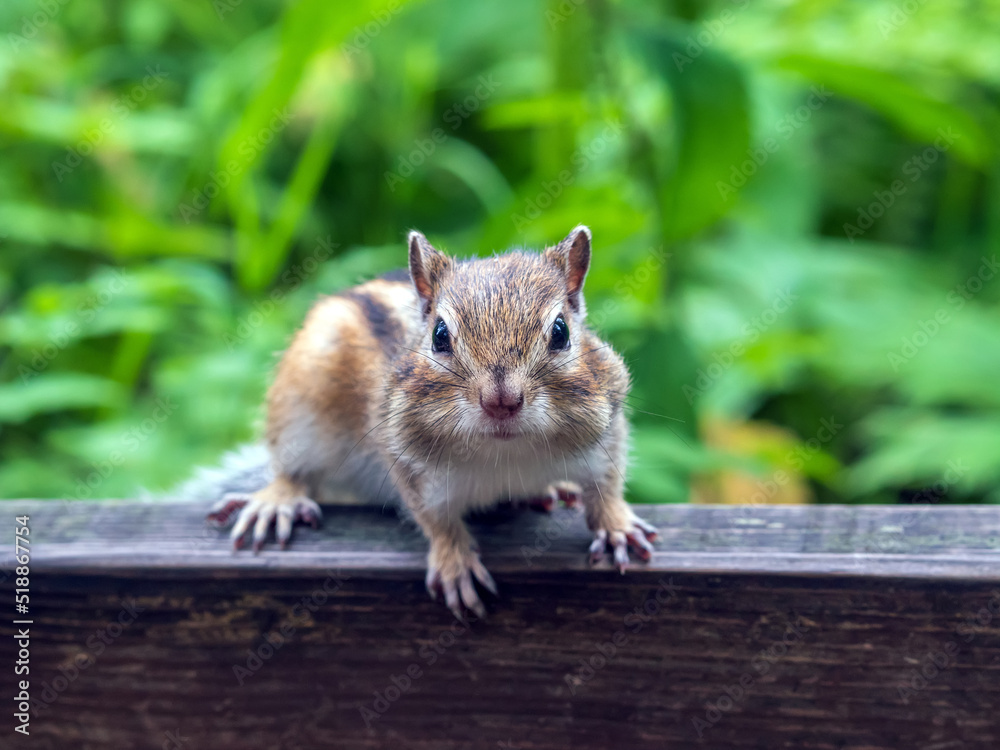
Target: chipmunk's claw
638,542
647,528
565,492
460,590
260,513
484,577
223,513
568,493
309,513
637,538
598,545
542,504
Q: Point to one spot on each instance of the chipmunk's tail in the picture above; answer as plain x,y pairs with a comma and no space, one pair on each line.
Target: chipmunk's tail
246,469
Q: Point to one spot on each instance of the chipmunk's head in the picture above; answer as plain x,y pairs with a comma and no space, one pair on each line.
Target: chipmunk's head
505,351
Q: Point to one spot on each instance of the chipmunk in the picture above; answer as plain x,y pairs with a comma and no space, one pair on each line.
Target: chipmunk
468,383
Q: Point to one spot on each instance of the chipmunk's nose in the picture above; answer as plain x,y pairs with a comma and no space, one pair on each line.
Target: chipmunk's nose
502,403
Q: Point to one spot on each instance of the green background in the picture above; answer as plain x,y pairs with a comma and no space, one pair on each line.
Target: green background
795,210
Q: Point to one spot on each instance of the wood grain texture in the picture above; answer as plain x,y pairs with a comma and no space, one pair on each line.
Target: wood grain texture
774,627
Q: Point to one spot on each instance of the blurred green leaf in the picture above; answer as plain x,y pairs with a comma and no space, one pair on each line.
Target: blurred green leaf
46,394
710,119
162,237
921,116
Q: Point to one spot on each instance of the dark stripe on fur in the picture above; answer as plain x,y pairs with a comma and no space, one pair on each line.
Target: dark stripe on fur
383,325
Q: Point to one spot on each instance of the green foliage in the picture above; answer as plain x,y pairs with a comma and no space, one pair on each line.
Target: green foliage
796,212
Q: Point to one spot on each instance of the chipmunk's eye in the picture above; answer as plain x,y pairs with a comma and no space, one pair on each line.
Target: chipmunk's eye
560,335
440,340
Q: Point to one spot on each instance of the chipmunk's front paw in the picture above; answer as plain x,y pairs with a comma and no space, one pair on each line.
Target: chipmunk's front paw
450,570
631,532
567,493
271,506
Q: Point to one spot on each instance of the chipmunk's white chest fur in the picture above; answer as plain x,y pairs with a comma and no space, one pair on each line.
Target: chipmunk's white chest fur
482,478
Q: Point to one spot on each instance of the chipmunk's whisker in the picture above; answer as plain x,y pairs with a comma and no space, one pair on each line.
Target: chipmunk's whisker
462,378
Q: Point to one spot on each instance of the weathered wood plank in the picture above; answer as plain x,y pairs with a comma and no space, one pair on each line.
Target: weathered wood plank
776,627
961,542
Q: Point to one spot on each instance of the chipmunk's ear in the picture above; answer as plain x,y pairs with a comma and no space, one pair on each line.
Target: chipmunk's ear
573,255
426,268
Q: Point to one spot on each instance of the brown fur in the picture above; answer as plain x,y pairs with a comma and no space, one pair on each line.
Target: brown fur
361,382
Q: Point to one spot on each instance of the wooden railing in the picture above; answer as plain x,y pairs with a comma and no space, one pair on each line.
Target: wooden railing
770,627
